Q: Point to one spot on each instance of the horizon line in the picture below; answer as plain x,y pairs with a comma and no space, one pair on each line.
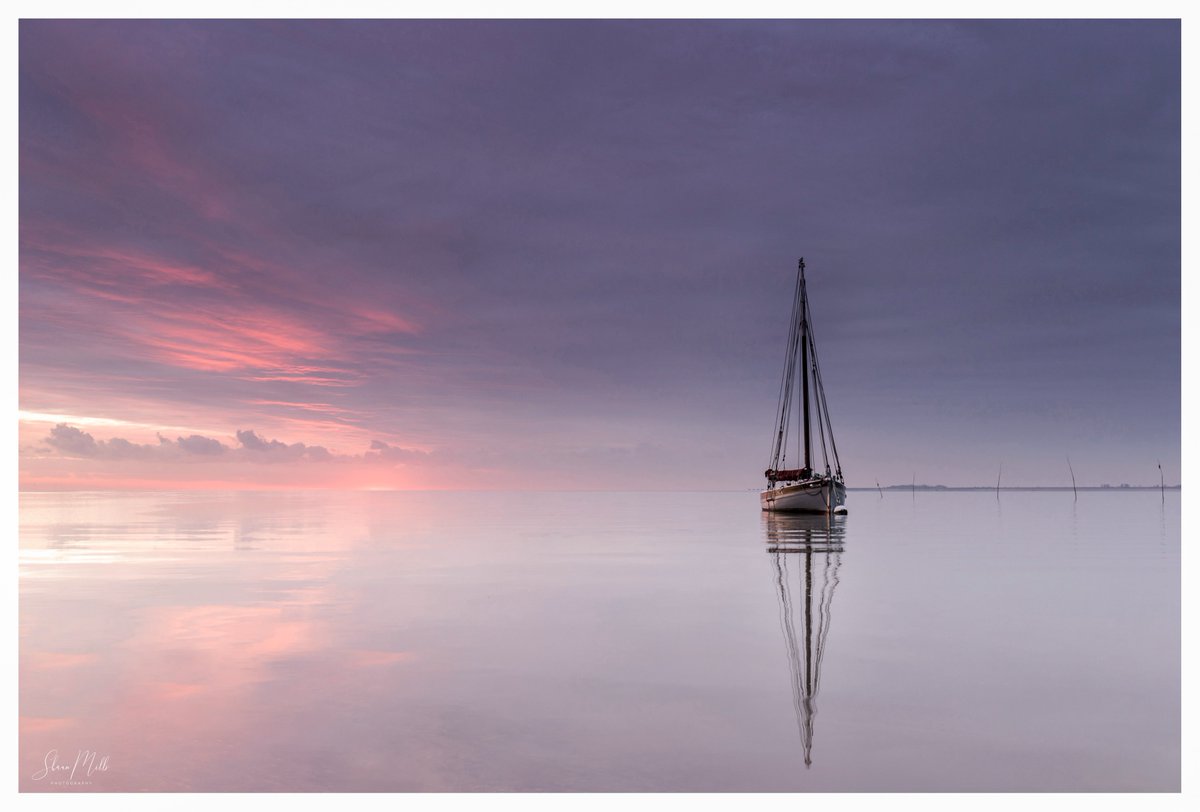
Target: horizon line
276,489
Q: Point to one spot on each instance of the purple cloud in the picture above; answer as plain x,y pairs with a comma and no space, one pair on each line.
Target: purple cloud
73,442
197,444
383,452
275,451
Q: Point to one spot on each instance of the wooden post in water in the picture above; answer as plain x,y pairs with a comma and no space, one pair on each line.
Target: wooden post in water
1162,484
877,485
998,473
1072,470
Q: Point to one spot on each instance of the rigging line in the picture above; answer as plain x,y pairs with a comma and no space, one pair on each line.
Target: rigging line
829,422
820,421
789,637
824,407
786,385
784,407
824,402
831,582
784,422
825,451
822,629
781,410
776,440
796,338
808,643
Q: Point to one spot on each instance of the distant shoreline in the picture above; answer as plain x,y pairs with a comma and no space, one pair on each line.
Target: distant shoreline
1068,488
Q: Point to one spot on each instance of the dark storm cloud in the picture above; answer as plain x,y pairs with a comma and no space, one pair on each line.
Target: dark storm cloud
430,223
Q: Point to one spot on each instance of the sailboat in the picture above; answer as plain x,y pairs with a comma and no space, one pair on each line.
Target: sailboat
814,546
803,489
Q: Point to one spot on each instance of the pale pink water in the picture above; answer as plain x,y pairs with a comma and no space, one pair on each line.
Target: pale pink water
428,641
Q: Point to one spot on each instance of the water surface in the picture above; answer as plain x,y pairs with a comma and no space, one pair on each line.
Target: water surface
598,642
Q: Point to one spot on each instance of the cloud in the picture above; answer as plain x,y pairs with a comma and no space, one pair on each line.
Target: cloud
73,442
70,441
318,453
119,448
249,439
252,447
276,451
197,444
383,452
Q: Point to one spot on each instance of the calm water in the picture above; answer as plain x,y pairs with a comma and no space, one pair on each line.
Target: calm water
431,641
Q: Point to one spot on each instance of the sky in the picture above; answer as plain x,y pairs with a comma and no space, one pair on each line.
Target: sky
560,254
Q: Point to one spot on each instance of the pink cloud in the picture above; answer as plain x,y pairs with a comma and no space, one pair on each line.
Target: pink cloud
38,660
135,131
65,255
322,408
383,321
310,380
44,724
227,330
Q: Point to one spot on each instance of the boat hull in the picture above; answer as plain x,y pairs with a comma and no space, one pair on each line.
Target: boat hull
814,496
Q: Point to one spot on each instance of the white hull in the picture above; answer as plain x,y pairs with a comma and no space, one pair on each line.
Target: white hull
813,496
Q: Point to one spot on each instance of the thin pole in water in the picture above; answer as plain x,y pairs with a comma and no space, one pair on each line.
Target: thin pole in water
880,488
998,473
1072,470
914,486
1162,485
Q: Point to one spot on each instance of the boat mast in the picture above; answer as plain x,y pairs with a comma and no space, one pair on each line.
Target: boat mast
804,366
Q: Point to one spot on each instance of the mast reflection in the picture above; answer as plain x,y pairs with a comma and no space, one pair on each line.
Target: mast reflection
805,549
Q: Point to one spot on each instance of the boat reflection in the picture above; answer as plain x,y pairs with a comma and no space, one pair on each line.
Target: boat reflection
805,549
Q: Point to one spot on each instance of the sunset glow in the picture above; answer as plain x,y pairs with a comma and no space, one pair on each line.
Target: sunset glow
502,255
507,406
